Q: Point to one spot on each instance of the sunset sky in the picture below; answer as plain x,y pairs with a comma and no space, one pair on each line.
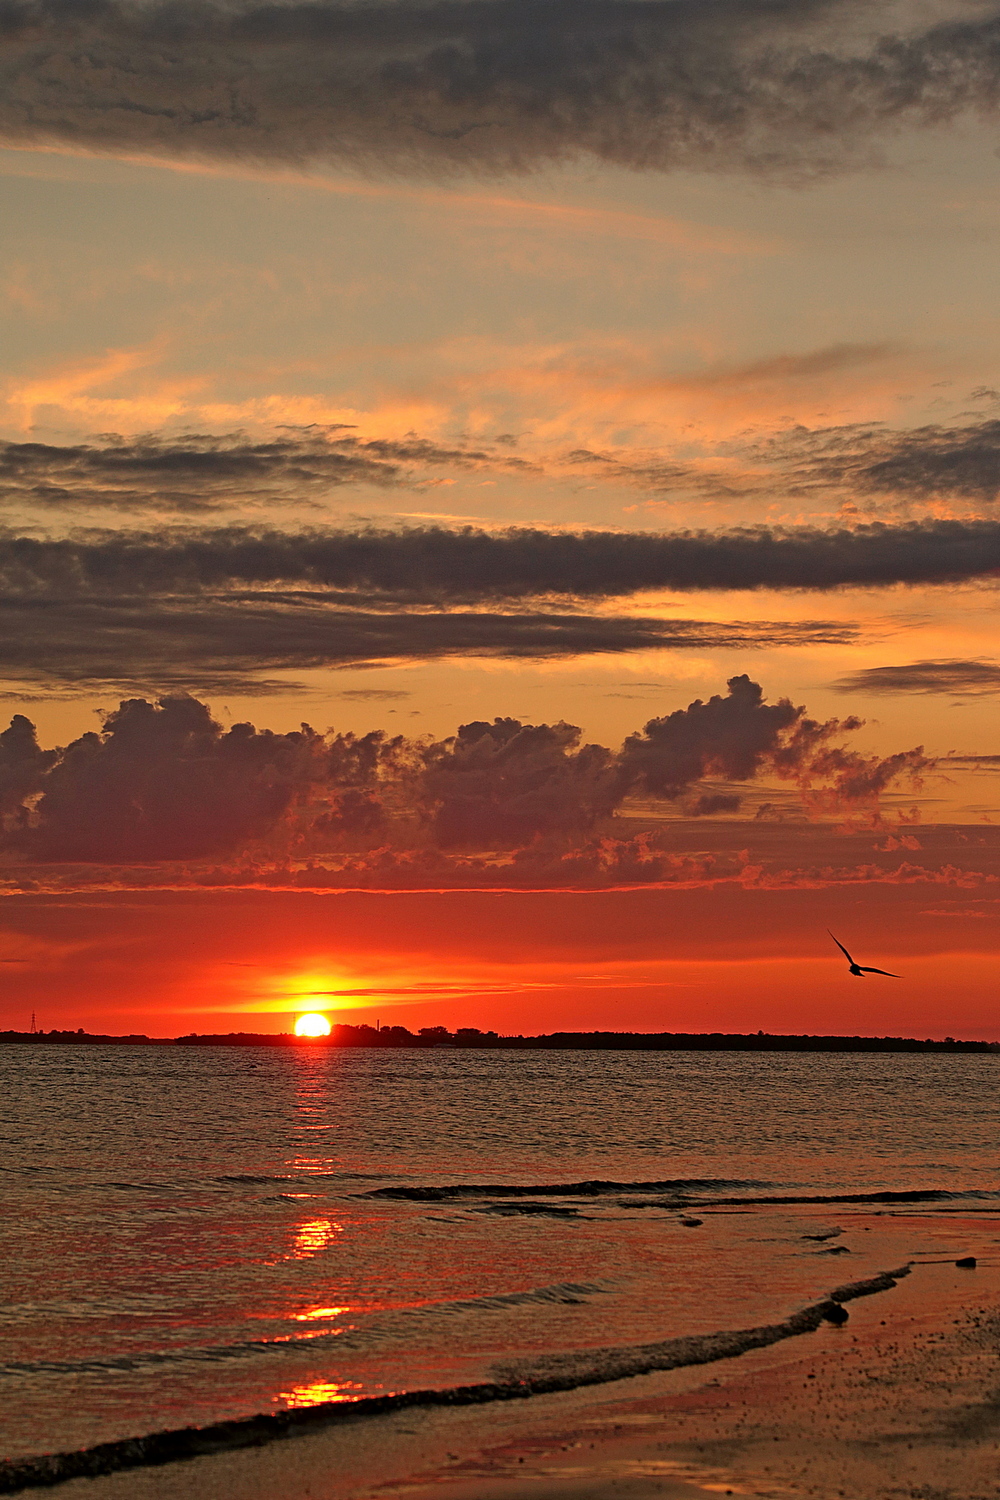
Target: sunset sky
617,379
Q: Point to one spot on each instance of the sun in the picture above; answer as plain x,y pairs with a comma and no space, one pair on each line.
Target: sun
312,1024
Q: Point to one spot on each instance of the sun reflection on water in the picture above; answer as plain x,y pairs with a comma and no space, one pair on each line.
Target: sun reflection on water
315,1235
318,1392
313,1313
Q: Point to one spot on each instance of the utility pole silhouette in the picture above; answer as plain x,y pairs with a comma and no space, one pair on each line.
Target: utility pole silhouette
34,1028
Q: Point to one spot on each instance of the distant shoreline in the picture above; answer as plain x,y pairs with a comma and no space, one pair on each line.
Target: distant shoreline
469,1038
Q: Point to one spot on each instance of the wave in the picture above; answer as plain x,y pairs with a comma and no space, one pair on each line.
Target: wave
449,1191
677,1193
887,1195
540,1377
565,1293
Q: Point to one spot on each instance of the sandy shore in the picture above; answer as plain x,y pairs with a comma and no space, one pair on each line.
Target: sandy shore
902,1401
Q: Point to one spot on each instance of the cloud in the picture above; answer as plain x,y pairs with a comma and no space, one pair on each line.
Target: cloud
507,783
797,86
238,643
954,678
730,737
166,782
710,803
195,472
739,736
868,459
202,472
432,565
600,865
22,765
373,695
214,610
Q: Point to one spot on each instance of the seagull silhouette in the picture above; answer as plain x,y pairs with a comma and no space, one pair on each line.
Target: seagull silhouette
858,969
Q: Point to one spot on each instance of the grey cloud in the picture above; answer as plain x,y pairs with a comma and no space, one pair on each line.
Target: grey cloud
435,566
196,473
200,472
917,464
950,678
791,86
73,646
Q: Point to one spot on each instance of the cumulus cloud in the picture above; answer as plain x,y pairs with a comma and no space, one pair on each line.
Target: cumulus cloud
22,765
738,736
961,679
166,782
506,782
729,737
481,85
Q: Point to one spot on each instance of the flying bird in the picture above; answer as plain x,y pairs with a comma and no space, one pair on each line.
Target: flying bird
858,969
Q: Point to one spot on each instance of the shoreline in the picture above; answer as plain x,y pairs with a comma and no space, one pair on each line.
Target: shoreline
900,1401
545,1377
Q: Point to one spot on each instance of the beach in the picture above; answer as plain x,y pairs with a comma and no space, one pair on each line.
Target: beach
902,1400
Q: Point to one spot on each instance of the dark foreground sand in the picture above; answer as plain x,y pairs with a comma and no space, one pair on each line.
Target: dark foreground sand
903,1401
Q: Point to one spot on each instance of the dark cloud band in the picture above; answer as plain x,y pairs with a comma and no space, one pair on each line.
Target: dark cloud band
433,566
487,85
238,645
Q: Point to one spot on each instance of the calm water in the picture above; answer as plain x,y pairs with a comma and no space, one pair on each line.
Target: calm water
192,1234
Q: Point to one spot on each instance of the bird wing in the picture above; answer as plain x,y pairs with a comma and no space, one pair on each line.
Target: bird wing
877,971
843,950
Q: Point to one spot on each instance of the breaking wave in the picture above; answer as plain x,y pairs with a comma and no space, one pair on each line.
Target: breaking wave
677,1192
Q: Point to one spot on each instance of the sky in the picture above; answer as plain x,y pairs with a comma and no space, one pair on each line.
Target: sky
500,514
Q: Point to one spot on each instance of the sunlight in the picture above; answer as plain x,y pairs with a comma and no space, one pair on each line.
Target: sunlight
312,1024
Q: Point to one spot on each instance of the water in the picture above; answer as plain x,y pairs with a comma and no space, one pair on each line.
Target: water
195,1234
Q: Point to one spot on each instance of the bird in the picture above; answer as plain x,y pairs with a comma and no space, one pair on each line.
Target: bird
858,969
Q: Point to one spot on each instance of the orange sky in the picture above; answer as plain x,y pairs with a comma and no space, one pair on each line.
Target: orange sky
658,960
641,318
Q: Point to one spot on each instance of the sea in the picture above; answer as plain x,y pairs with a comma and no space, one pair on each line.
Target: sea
190,1235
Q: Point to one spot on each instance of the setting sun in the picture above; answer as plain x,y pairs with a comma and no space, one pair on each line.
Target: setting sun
312,1024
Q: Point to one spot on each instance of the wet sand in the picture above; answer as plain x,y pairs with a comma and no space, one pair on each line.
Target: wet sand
902,1401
